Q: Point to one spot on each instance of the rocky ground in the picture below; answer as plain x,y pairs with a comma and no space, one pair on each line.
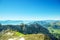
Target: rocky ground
14,35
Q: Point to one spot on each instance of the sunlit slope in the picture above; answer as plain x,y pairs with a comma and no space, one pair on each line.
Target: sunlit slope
14,35
54,29
37,37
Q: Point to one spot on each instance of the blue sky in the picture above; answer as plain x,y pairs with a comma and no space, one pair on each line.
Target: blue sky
29,10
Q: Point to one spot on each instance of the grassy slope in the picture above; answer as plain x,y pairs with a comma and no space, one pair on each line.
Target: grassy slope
55,32
5,35
37,37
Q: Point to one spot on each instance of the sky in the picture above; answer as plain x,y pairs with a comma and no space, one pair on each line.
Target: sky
29,9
